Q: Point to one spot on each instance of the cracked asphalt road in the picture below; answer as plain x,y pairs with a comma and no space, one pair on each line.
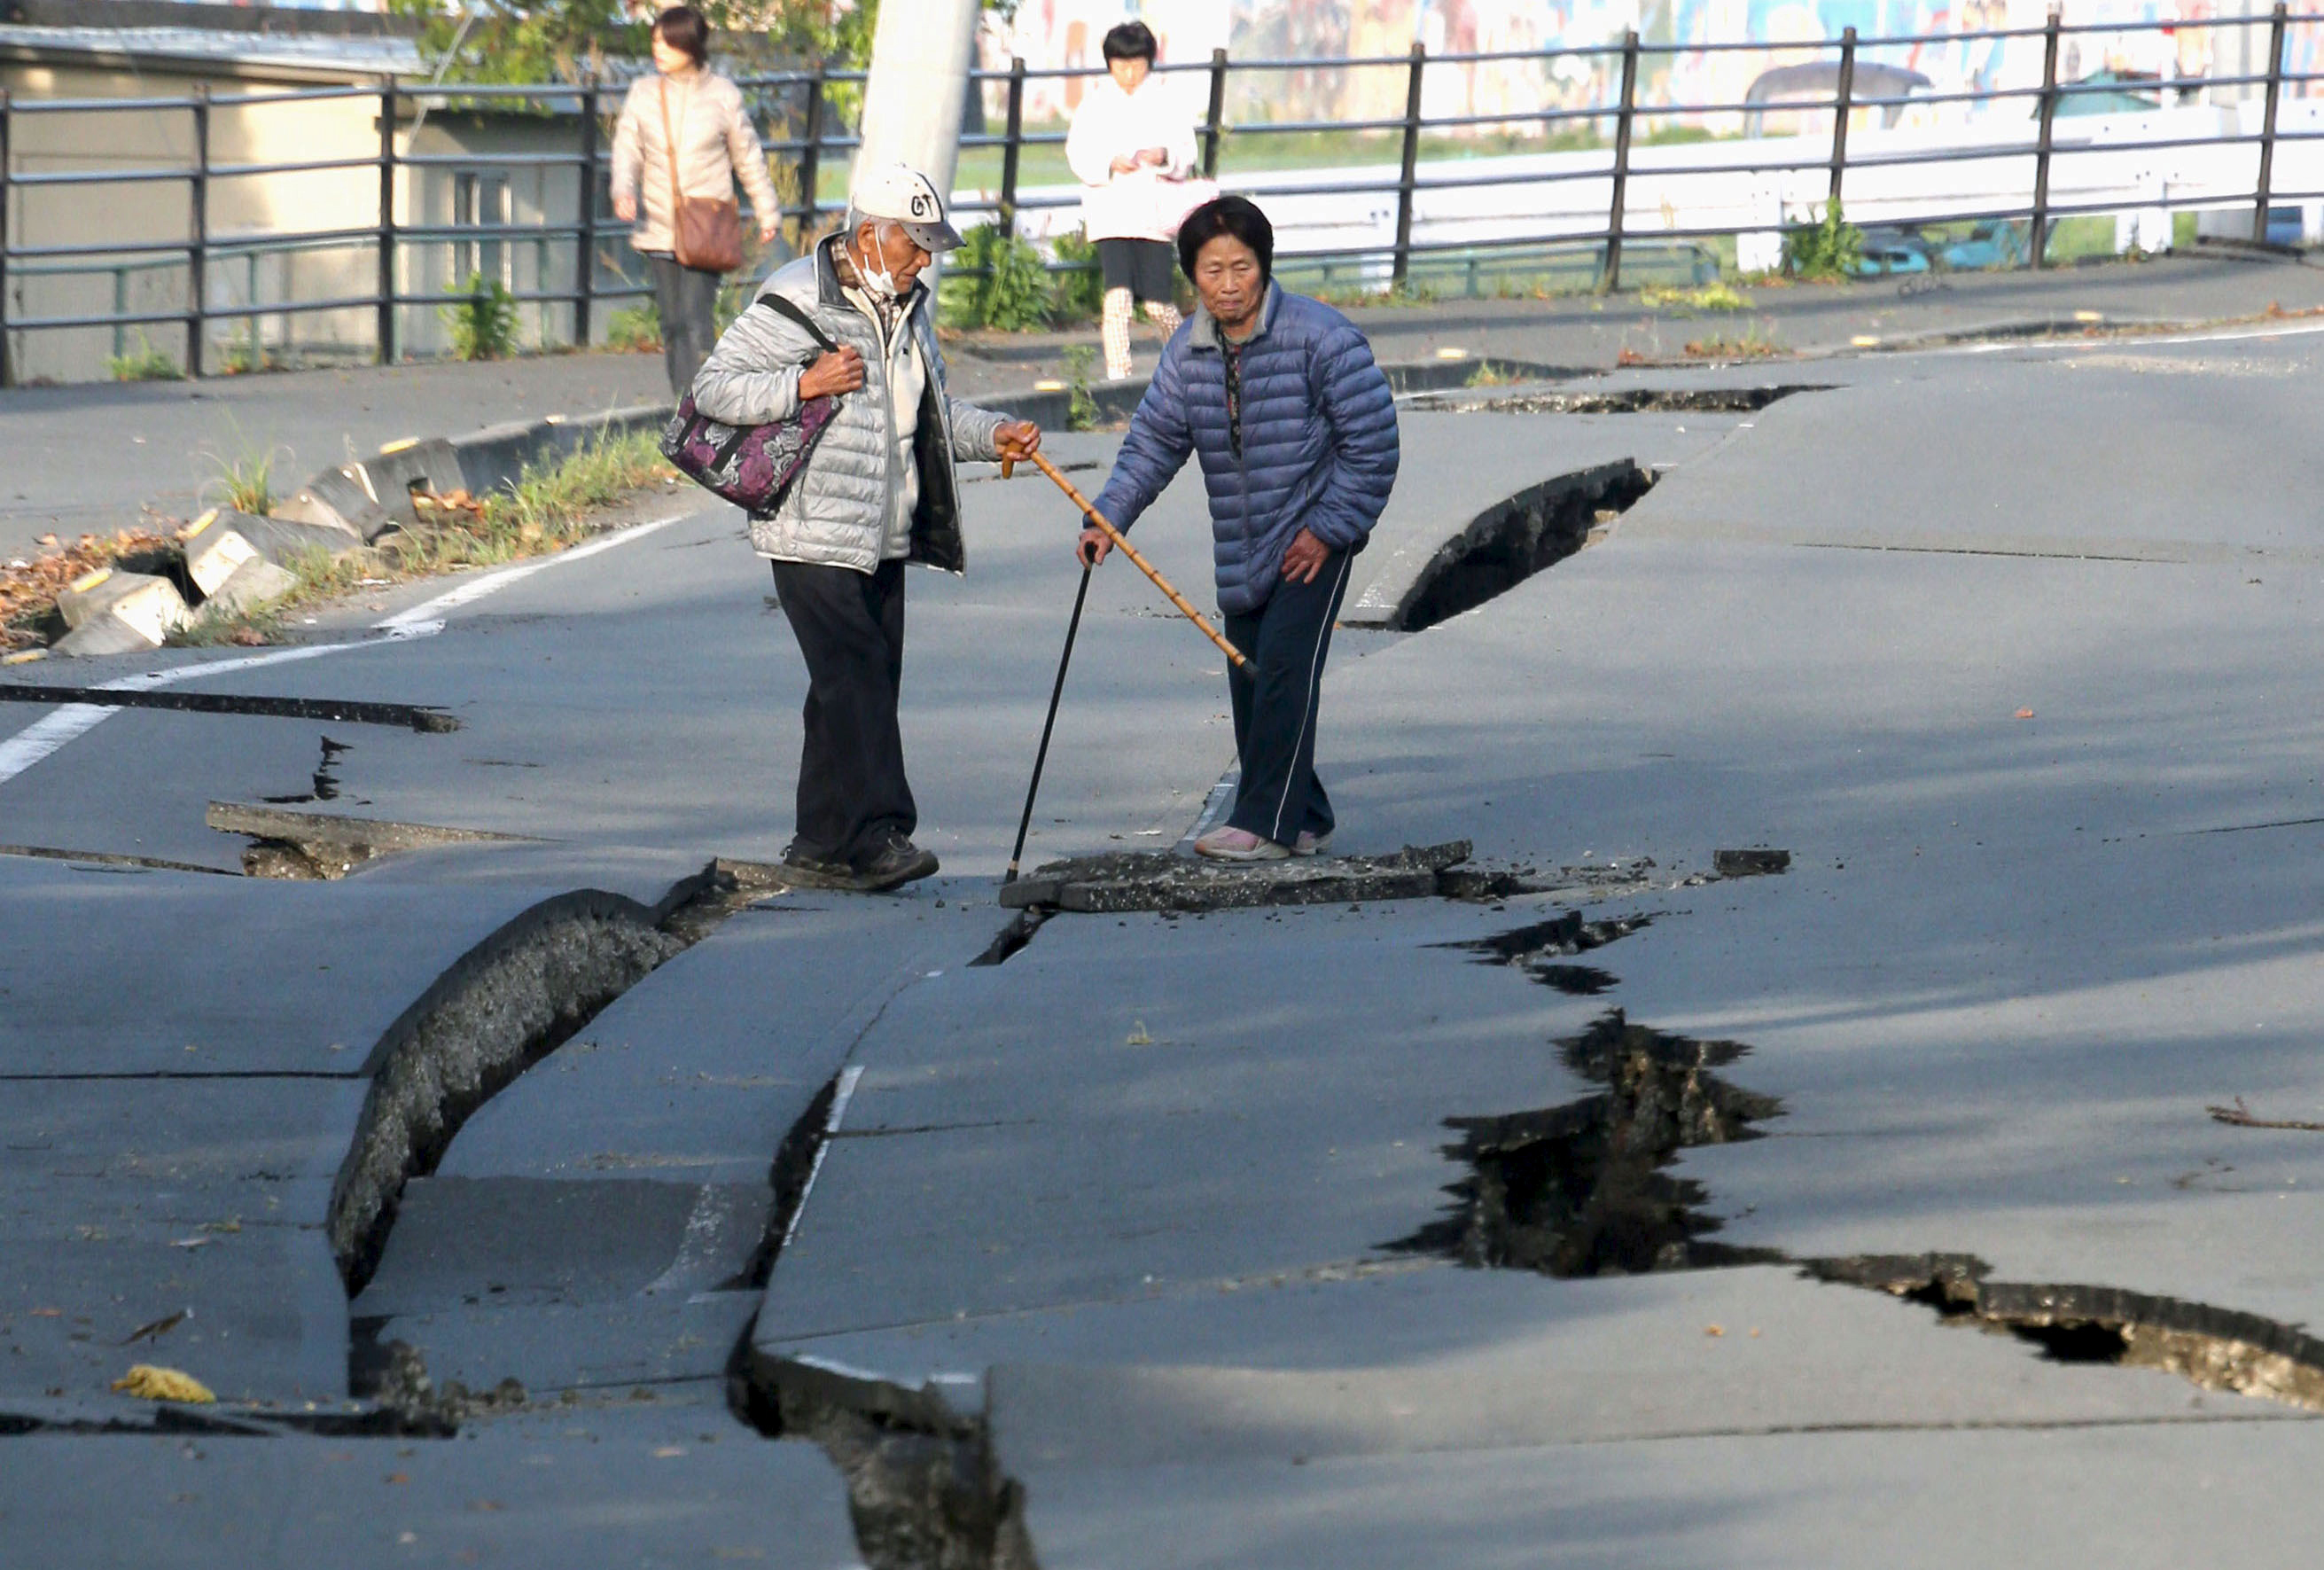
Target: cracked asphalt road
2011,651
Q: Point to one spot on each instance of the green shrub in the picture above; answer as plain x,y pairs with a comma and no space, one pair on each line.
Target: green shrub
143,364
1832,249
482,320
634,329
1079,294
1000,283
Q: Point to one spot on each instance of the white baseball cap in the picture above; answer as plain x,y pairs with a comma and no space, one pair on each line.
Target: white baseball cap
901,193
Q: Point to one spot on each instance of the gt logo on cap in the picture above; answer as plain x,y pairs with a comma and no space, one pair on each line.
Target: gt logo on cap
923,204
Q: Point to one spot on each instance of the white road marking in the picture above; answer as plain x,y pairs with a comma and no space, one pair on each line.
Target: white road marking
491,583
48,734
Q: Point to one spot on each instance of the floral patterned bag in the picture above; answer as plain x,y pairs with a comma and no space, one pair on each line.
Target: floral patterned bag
751,466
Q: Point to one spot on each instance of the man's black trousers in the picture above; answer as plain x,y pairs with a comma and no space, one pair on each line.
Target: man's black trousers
1287,641
852,789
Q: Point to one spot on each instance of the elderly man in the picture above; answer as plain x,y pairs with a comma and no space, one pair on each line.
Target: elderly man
852,319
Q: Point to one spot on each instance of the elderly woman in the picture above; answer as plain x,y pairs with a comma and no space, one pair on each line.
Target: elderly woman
1277,395
852,319
1132,151
686,122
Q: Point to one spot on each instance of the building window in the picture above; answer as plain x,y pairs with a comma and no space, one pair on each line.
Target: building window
480,199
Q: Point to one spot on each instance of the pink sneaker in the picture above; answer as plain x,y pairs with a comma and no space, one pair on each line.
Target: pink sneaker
1238,844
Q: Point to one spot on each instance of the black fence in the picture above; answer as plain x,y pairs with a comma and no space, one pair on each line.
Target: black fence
805,114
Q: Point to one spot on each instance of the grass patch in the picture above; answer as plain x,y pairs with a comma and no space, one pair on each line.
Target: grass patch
143,364
1718,297
245,483
1756,343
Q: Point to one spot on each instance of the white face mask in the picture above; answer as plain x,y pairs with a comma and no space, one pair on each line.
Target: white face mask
879,283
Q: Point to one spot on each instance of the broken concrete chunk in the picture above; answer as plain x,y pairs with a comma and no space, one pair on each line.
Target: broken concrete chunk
494,457
340,498
104,635
256,584
427,464
221,540
149,607
1161,881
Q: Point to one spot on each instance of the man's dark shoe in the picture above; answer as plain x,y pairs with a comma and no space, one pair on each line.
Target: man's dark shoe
816,872
897,861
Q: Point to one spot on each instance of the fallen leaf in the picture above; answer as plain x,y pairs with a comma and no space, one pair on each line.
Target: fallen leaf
1713,1330
148,1382
399,1477
2025,713
664,1452
153,1330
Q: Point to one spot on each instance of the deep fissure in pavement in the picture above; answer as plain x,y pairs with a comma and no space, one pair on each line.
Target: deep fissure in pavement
330,711
1626,401
1513,540
1011,940
924,1490
1539,949
1581,1189
2218,1348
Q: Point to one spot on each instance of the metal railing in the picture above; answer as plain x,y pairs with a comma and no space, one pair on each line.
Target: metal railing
1613,157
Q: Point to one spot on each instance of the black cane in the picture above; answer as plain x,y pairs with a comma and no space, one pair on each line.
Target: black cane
1057,692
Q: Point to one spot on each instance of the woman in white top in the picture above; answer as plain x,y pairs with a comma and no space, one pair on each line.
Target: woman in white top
1132,152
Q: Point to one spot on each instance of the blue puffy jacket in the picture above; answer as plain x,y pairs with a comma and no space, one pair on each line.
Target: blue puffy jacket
1319,440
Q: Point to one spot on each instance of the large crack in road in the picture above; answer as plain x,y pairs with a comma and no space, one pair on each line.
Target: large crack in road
1584,1189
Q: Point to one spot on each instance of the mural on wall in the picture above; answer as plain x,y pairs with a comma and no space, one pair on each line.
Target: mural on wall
1316,39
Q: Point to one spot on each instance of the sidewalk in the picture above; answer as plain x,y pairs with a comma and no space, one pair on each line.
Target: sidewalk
93,458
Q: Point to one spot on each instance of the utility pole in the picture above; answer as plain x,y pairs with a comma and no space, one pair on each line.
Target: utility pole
920,55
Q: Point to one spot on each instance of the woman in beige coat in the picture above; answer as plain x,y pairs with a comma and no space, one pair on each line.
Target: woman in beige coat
715,140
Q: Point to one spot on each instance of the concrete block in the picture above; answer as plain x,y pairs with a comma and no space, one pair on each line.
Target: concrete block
147,606
256,584
493,459
428,463
221,540
340,498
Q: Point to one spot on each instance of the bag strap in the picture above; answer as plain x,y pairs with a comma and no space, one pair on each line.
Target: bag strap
669,146
778,303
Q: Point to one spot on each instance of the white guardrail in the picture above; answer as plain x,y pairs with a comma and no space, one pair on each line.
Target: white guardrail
1753,188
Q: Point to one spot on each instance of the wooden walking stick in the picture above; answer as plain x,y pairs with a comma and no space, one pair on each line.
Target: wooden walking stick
1122,541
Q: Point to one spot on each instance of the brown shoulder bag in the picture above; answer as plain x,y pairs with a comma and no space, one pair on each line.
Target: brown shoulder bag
705,232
